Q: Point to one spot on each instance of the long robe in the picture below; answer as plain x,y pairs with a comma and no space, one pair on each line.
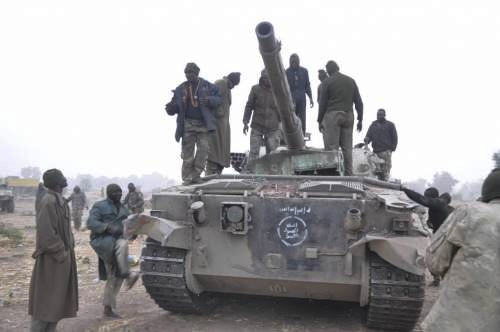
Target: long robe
53,293
220,140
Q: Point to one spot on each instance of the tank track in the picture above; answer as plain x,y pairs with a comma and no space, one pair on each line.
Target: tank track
396,296
163,276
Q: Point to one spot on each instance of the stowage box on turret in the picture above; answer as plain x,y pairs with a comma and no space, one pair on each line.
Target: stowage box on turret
292,226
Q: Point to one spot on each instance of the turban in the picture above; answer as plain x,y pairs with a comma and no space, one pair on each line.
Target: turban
191,66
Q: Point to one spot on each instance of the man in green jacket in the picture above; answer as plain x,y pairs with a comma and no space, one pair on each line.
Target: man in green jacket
265,119
106,238
335,115
219,152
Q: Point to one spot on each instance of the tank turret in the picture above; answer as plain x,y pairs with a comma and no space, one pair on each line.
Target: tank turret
295,158
270,50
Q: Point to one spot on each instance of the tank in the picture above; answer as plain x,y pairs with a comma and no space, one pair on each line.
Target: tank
291,226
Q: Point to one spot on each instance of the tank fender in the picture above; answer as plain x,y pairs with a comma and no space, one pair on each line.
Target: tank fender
168,232
407,253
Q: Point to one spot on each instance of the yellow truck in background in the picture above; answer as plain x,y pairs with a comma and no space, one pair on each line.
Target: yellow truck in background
20,186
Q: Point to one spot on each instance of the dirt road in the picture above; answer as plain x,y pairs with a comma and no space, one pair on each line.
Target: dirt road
140,313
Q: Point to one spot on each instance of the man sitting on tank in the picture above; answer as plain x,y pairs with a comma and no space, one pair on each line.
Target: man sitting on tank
261,108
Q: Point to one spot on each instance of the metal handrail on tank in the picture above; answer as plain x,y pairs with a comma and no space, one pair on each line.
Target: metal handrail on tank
270,50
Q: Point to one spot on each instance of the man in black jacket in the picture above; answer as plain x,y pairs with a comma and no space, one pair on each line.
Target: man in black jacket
384,138
438,206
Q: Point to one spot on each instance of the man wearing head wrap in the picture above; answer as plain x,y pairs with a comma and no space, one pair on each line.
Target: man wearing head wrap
219,155
106,238
335,113
298,81
261,108
134,200
53,293
465,252
322,75
194,102
78,203
384,138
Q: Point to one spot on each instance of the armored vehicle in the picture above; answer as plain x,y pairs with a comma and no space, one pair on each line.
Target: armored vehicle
291,226
6,199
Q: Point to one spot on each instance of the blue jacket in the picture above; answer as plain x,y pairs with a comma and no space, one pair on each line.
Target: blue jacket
103,213
298,81
205,89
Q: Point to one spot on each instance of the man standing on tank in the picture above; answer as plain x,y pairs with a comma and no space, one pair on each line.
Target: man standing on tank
219,155
194,102
384,138
335,114
298,81
322,76
261,107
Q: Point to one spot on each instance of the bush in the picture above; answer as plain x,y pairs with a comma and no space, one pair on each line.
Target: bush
11,233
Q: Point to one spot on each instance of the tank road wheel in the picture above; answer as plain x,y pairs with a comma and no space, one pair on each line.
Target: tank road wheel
396,296
164,277
10,206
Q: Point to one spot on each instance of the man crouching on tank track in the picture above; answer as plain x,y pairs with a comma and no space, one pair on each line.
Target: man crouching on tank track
465,250
265,119
106,238
194,102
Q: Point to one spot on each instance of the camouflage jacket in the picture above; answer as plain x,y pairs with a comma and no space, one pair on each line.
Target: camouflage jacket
78,201
134,201
465,251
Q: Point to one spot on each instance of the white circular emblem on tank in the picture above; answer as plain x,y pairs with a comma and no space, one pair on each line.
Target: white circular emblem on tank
292,231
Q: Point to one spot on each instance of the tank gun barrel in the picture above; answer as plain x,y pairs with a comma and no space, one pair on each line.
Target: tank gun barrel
270,50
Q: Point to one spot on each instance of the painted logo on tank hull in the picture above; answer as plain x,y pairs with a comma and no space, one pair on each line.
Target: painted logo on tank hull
292,231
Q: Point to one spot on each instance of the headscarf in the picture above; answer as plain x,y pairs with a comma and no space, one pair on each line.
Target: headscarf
52,178
112,188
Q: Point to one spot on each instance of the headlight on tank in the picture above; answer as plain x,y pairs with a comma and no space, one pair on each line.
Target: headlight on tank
234,217
400,226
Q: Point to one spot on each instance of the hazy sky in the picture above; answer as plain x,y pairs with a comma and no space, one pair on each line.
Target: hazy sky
83,83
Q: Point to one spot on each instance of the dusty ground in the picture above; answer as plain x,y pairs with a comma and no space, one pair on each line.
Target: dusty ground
140,313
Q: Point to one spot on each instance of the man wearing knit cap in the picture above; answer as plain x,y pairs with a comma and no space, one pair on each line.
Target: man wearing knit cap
53,293
383,135
219,155
106,238
465,252
266,121
298,81
335,113
194,102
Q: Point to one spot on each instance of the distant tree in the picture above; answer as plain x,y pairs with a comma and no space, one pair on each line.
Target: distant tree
496,158
86,184
418,185
468,191
36,173
26,172
444,182
30,172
